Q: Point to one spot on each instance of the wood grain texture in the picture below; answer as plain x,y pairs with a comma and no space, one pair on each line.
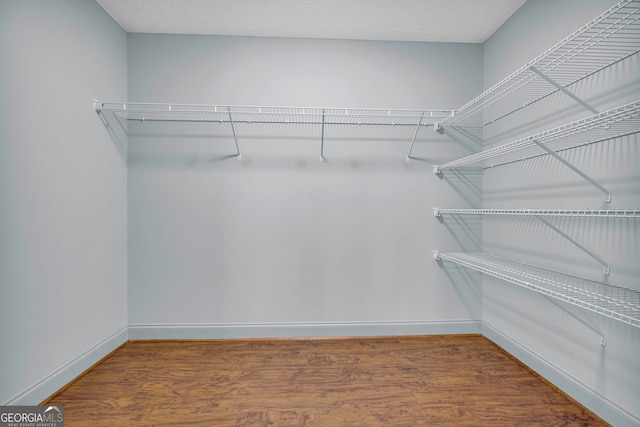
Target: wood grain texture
388,381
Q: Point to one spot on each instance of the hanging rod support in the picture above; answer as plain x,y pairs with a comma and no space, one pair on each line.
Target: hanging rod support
413,141
603,339
564,90
575,169
575,243
322,139
233,129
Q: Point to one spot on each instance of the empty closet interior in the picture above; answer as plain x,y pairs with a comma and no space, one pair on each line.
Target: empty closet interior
163,186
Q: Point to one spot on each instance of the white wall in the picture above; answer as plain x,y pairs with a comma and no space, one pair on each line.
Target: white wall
606,379
62,195
279,237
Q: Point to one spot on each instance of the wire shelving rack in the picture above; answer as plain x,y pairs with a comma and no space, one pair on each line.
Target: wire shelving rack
616,302
238,114
232,116
609,38
614,123
607,213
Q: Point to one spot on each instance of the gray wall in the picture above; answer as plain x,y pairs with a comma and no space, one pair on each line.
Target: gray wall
279,237
62,194
520,317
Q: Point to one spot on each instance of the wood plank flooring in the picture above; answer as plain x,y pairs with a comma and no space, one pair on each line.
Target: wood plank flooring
390,381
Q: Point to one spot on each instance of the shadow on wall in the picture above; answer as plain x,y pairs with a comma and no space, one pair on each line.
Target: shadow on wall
544,182
467,183
467,231
589,244
468,137
467,285
553,322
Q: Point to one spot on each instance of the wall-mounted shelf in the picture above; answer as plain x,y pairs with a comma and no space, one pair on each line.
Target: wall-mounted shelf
620,121
606,40
607,213
235,115
597,51
616,302
540,213
611,124
271,115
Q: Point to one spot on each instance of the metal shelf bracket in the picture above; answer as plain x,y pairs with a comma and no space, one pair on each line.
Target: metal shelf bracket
575,169
603,339
413,141
576,244
564,90
235,138
322,138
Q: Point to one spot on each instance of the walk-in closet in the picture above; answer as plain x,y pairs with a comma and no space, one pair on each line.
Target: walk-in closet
373,186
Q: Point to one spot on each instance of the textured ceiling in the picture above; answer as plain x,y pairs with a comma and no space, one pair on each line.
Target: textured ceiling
463,21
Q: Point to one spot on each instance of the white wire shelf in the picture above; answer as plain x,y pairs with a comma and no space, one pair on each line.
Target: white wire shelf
604,41
606,213
615,302
239,114
614,123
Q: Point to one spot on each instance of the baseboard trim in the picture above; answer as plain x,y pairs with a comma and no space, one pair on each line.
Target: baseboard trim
300,330
595,402
62,376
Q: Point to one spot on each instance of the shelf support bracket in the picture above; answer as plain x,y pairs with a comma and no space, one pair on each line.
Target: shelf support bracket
603,339
575,169
235,138
413,141
322,139
564,90
575,243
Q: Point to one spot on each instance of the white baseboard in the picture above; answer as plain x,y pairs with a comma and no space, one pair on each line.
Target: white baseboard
67,373
586,396
300,330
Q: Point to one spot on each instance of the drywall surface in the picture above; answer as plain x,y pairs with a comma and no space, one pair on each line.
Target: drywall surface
556,336
280,237
62,191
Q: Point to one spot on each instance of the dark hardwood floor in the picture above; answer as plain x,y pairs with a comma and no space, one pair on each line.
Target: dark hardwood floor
453,380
